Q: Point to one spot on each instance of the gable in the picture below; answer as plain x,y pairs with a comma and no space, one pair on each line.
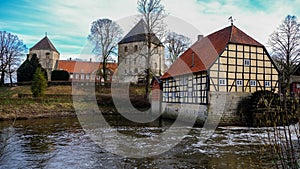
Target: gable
207,50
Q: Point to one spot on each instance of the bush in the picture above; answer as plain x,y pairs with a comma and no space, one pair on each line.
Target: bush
60,75
39,83
26,71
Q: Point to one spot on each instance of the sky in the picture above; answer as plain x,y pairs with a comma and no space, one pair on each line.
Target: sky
68,22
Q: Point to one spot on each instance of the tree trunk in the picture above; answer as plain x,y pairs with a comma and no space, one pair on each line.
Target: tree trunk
148,66
104,70
2,78
10,78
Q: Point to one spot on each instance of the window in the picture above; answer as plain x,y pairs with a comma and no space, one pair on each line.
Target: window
82,76
298,86
181,94
252,82
247,62
71,76
173,95
184,80
155,50
87,76
135,48
267,84
222,82
76,76
125,49
239,83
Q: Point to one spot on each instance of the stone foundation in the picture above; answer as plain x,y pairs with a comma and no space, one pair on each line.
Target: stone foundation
222,109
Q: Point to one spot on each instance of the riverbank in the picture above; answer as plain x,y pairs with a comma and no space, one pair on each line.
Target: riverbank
17,103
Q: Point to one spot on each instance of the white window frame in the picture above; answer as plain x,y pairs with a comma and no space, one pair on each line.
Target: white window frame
71,76
222,82
247,62
82,76
239,82
267,84
167,81
76,76
252,82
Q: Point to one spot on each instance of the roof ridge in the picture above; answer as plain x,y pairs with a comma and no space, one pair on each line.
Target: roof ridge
230,36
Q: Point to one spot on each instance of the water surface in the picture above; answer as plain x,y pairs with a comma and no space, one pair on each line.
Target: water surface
62,143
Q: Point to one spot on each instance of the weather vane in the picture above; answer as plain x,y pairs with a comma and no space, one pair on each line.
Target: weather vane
231,20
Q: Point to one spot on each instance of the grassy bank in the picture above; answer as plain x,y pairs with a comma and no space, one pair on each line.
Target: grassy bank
11,106
57,101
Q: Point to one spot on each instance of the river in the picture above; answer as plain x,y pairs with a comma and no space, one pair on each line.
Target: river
62,143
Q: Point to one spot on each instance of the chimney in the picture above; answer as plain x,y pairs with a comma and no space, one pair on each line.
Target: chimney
200,37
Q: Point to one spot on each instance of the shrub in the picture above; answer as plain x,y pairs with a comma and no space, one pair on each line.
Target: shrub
26,71
39,83
60,75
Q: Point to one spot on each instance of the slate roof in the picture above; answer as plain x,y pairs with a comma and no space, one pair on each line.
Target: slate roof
83,66
44,44
139,33
207,50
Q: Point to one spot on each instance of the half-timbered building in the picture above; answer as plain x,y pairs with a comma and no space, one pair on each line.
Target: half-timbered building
227,64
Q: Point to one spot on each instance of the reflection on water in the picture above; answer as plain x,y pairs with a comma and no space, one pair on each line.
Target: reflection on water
62,143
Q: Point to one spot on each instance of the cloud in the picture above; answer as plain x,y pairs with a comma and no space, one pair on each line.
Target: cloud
68,22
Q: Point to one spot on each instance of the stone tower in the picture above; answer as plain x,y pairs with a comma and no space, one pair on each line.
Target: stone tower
47,54
132,54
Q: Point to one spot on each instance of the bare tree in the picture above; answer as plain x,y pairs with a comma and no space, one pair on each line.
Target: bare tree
105,35
153,13
12,49
284,43
176,45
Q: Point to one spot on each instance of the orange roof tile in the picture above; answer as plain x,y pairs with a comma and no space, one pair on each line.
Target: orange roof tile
82,66
207,50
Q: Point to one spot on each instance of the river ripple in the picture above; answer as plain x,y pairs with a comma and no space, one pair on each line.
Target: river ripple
62,143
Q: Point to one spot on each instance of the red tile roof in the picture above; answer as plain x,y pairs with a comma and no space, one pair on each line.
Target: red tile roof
44,44
207,50
83,67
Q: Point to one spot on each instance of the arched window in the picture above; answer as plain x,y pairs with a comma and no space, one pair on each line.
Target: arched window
125,49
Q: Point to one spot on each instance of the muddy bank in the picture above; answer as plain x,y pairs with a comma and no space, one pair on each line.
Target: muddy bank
44,108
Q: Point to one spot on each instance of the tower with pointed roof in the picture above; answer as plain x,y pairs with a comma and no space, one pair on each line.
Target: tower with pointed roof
47,54
132,53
